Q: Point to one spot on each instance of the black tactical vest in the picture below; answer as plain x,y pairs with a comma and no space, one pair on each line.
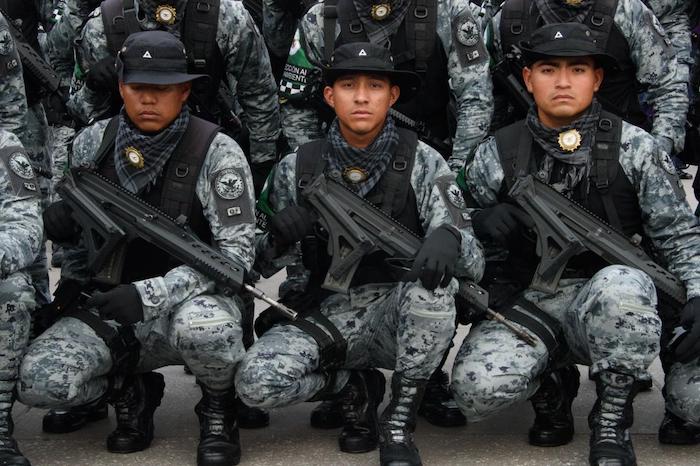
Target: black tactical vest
619,92
393,194
173,193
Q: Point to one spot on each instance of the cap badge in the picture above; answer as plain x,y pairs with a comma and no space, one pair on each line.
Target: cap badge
165,14
134,157
355,175
147,54
570,140
558,35
362,53
380,11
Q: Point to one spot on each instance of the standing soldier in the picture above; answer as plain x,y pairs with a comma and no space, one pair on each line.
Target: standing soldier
166,309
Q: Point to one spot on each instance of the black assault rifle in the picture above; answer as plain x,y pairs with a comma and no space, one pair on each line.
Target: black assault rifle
356,228
111,216
565,229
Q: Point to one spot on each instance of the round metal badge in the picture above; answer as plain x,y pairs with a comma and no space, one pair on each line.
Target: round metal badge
166,14
355,174
468,33
380,11
134,157
570,140
454,194
229,184
574,2
20,166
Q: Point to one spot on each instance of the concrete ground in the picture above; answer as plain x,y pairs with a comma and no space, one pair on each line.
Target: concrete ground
290,441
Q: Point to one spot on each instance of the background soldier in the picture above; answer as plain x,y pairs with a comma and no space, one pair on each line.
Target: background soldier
168,310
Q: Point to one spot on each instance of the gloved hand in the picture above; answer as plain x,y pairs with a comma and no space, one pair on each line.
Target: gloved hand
689,348
435,262
500,223
122,303
292,224
102,76
58,223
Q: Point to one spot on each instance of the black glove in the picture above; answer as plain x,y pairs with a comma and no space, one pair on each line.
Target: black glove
122,303
500,223
58,223
689,348
102,76
292,224
435,262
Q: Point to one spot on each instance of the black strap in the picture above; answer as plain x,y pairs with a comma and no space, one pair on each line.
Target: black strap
119,20
421,24
199,33
600,20
606,153
108,137
332,345
515,22
514,144
330,15
397,180
545,327
310,164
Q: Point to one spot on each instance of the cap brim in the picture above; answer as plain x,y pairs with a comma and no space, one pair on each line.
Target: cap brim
408,81
159,78
603,59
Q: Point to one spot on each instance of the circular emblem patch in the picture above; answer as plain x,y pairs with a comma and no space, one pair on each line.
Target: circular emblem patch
229,184
165,14
7,45
666,164
569,140
355,174
468,33
380,11
454,195
20,166
134,157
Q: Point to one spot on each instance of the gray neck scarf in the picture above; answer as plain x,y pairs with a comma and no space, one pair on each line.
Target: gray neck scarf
155,148
574,165
374,159
379,32
558,11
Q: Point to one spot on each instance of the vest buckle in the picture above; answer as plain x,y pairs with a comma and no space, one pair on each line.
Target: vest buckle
605,124
203,7
356,27
182,171
199,63
516,28
420,12
597,20
399,165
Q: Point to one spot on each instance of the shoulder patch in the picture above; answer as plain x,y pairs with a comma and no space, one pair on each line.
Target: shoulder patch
664,161
231,198
20,171
454,200
298,72
467,40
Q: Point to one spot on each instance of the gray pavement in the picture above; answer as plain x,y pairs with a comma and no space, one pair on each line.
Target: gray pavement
290,441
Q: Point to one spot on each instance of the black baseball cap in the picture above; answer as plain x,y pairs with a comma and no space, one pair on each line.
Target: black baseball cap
564,40
154,57
365,57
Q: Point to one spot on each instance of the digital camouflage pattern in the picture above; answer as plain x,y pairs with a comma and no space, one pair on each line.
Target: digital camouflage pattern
397,326
469,80
673,16
247,71
185,320
682,389
13,99
278,27
664,82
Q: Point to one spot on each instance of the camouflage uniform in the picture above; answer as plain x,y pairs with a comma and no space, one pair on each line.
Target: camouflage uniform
673,16
610,321
13,100
469,80
247,71
185,321
398,326
657,70
20,238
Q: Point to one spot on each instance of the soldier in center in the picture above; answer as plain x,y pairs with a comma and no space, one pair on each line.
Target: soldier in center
403,322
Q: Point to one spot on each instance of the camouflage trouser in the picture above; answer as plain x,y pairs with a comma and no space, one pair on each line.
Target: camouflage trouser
17,301
683,391
609,323
69,365
402,327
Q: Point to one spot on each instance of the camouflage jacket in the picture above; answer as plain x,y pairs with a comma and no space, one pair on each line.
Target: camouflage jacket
247,72
13,99
667,219
233,235
469,80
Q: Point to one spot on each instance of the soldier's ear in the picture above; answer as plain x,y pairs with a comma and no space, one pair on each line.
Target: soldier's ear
527,75
395,93
328,96
599,75
186,89
121,89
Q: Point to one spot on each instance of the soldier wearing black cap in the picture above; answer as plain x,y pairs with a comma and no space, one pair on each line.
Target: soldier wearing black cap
186,167
601,315
404,322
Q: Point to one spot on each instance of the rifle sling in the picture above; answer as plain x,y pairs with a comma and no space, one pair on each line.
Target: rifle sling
544,326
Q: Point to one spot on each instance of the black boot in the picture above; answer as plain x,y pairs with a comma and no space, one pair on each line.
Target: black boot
62,421
134,406
611,419
675,431
554,423
9,452
251,418
359,401
399,421
438,406
219,444
327,415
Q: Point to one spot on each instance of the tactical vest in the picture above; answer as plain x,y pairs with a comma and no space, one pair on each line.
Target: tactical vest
174,193
197,33
25,17
415,47
619,92
393,194
608,194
